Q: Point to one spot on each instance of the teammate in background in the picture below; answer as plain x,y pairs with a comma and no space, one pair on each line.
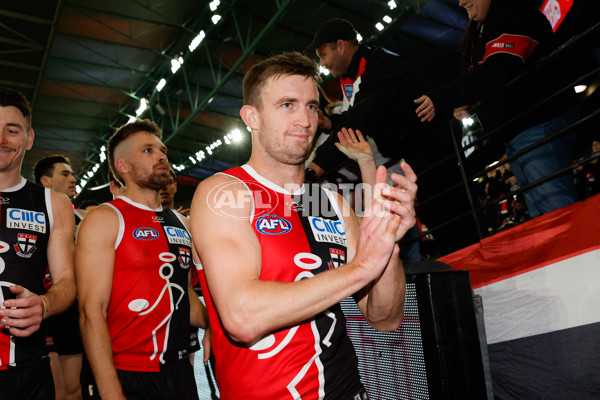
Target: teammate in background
136,302
116,188
55,172
88,205
277,266
167,194
167,199
36,231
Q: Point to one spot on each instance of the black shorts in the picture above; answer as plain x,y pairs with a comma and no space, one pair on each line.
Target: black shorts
33,381
176,382
64,332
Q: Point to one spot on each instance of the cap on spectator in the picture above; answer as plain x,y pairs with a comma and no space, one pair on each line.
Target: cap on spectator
332,31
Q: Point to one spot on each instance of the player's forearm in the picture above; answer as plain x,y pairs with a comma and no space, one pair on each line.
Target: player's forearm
261,307
385,302
368,171
98,349
198,314
60,296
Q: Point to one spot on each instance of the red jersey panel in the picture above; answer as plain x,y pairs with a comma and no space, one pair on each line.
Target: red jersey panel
148,315
300,235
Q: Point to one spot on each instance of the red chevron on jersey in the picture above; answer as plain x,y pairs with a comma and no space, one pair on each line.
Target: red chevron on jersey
517,45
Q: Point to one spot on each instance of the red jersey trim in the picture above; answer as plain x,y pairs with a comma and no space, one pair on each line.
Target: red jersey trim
350,81
516,45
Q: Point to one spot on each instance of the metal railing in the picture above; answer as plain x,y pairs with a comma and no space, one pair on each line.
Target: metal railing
583,43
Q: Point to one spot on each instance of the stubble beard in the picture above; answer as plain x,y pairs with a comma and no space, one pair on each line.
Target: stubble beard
285,153
154,181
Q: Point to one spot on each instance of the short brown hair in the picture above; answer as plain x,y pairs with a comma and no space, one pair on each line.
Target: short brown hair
286,64
122,133
45,166
10,97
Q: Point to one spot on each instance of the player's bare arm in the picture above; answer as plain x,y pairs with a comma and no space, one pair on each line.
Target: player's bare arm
248,307
31,308
94,261
198,313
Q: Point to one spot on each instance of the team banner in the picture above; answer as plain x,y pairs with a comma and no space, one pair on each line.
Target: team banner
540,284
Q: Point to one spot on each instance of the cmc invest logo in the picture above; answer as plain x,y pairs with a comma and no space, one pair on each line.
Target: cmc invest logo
228,198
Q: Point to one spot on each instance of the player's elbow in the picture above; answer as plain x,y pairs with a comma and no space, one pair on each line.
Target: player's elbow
242,328
389,324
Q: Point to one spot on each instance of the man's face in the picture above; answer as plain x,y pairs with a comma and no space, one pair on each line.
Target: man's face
146,161
477,9
595,146
62,179
287,118
167,194
331,57
15,138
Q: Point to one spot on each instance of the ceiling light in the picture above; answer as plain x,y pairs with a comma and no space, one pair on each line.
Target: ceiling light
359,37
103,149
387,19
161,84
83,182
392,4
323,70
379,26
215,18
236,135
77,189
90,174
467,122
580,88
142,108
131,119
249,129
214,4
197,40
175,65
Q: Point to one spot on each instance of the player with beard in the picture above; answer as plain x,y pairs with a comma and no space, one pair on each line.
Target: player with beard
133,260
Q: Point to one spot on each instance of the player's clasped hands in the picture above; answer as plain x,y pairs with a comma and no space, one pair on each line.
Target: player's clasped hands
400,199
390,216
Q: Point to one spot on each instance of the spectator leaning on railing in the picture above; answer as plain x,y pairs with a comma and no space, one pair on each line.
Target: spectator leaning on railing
503,38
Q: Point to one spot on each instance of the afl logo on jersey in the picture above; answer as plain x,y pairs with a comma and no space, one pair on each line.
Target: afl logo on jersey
145,234
273,225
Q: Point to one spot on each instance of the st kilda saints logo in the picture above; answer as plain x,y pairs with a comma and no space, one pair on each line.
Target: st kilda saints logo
25,245
184,257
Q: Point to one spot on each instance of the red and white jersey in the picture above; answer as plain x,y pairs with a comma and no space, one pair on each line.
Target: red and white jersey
300,235
148,315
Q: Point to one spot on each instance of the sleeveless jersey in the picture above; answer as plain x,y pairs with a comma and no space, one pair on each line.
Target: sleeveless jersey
25,226
300,236
148,315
